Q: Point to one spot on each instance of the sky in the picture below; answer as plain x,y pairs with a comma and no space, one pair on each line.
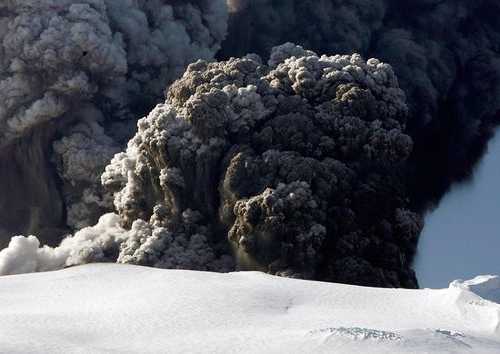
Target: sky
461,238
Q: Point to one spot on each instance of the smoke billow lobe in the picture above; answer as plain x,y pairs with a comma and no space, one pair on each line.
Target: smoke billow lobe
90,66
289,167
445,54
309,166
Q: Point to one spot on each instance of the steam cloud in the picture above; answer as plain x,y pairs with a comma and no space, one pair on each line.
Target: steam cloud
97,64
292,165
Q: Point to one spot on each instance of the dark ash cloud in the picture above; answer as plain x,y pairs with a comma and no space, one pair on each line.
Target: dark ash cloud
291,168
75,75
445,53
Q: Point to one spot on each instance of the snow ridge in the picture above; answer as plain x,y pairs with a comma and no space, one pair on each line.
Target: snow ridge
103,308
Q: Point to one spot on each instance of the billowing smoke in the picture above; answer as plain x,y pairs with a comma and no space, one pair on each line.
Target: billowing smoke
290,167
446,55
81,72
80,158
309,166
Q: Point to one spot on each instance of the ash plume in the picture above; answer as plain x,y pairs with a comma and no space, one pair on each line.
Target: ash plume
445,53
290,168
313,166
81,72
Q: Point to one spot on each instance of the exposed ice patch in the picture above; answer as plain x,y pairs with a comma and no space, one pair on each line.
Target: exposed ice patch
357,333
454,337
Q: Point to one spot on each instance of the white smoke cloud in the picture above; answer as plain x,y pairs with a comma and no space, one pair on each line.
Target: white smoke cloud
24,254
144,243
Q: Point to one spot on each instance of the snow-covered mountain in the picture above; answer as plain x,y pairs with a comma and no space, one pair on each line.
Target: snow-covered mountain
104,308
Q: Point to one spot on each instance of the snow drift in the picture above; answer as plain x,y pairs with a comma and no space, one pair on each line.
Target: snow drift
109,308
485,286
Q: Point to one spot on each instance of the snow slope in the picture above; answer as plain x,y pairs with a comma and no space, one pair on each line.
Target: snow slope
109,308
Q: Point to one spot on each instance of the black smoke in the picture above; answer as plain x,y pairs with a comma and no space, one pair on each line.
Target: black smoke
293,168
239,171
446,55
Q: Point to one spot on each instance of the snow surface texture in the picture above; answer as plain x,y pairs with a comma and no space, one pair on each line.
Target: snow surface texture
102,62
127,309
292,165
486,286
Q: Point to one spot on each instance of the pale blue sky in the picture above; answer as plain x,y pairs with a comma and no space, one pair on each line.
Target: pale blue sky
461,238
